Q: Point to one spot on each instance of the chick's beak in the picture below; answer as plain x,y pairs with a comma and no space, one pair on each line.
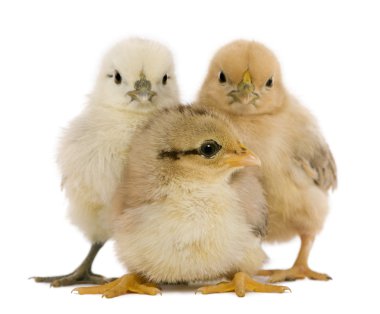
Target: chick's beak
245,85
245,92
244,158
143,90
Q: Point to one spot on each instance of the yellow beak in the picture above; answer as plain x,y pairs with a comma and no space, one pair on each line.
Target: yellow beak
247,78
245,86
245,158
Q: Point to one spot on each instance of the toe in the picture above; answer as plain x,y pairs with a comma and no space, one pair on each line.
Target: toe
221,287
318,276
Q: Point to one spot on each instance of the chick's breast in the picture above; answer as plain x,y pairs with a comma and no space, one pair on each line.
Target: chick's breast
187,240
91,157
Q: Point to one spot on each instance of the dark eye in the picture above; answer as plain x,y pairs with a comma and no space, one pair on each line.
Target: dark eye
269,83
165,79
222,77
209,148
117,78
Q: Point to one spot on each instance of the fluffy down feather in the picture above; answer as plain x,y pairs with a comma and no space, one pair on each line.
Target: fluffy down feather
244,82
94,147
177,218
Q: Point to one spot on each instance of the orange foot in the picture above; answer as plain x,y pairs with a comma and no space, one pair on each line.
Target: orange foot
291,274
242,283
130,283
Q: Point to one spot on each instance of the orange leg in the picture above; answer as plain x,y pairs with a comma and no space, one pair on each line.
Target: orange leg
125,284
300,268
242,283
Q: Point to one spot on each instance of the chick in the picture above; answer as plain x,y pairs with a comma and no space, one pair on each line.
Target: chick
136,79
244,82
177,219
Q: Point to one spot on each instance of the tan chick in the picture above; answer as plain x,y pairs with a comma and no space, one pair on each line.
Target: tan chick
177,219
244,82
136,79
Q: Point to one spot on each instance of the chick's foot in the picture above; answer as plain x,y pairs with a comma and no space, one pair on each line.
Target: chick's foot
81,275
130,283
77,277
291,274
242,283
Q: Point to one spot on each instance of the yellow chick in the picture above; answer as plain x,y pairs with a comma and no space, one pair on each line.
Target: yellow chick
177,219
244,82
136,79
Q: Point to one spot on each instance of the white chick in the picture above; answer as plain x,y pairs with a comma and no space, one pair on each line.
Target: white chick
136,79
177,219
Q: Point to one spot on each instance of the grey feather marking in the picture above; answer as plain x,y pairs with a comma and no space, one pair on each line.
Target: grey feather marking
323,163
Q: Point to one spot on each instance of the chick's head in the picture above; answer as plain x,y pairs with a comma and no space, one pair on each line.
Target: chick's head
137,75
244,77
191,145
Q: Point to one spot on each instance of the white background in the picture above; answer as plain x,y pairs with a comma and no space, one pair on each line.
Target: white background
50,52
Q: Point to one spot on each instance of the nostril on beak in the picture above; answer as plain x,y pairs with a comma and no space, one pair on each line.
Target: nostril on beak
246,88
143,83
243,149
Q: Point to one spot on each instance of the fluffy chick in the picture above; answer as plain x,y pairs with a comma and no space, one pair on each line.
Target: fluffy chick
136,79
244,82
177,219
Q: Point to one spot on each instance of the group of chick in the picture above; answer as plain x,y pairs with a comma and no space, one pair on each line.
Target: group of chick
189,192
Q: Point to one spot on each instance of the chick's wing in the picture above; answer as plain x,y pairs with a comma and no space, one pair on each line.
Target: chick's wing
320,166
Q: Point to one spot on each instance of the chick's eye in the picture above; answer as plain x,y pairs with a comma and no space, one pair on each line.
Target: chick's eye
209,149
222,77
165,79
269,83
117,78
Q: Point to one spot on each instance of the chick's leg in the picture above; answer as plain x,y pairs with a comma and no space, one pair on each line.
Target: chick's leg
125,284
81,275
300,268
242,283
